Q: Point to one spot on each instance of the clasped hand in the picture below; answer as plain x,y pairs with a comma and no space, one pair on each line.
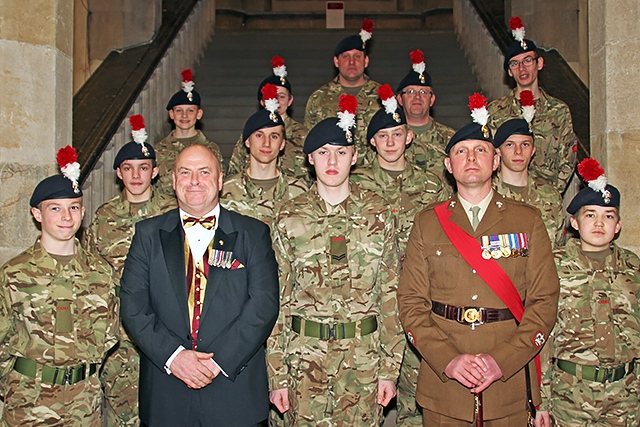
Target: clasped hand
474,371
194,368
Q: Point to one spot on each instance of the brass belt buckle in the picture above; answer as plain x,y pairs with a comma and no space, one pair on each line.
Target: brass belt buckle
471,315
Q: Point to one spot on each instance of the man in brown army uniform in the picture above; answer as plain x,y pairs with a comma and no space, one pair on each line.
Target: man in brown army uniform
58,315
351,59
464,258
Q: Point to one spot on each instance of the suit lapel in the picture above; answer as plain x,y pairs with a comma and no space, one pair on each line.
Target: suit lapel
459,216
172,241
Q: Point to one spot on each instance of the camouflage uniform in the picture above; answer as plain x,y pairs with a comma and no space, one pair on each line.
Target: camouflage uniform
292,160
326,279
323,103
598,325
59,316
110,235
544,196
241,195
427,148
407,195
167,151
555,141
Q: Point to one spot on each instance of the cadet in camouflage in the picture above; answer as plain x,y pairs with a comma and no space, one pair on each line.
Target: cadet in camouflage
58,318
590,362
109,235
334,354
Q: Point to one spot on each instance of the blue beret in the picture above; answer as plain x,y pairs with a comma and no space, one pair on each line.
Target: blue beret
511,127
413,79
349,43
468,132
516,49
275,80
133,151
54,187
260,120
382,120
326,132
589,196
180,98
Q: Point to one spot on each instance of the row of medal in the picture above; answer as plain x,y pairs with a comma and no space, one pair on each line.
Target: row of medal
220,258
504,245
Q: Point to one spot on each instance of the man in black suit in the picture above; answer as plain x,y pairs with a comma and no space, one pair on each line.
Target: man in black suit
200,297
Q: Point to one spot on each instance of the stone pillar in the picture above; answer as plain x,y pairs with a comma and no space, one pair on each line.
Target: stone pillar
36,40
614,49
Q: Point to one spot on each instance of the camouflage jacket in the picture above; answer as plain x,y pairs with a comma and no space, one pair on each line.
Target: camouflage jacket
322,288
323,103
598,314
292,160
541,194
54,314
407,195
167,151
427,148
555,141
241,195
113,226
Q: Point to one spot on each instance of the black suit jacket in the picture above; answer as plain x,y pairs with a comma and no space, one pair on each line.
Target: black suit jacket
239,311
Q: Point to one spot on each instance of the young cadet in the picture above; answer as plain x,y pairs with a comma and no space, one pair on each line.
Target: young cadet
292,160
470,263
109,235
554,138
255,190
515,143
416,97
184,110
407,189
335,352
58,314
351,59
590,374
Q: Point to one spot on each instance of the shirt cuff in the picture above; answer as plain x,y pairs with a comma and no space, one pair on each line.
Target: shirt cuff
221,370
169,361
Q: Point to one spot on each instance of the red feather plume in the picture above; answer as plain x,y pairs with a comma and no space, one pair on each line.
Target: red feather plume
277,61
348,103
269,91
515,22
137,122
477,101
589,169
367,25
385,92
187,75
66,156
526,98
416,56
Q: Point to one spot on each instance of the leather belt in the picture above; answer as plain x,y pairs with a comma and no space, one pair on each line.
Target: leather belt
52,375
328,331
471,315
597,373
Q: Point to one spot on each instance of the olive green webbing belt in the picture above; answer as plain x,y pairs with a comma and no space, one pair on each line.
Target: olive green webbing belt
52,375
597,373
326,331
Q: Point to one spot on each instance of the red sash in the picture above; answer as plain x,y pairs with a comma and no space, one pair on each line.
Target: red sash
488,270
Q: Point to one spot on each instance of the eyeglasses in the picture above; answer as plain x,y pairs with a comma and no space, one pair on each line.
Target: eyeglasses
526,62
421,92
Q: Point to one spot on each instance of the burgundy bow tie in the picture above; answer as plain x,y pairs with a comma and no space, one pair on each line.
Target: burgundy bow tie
207,222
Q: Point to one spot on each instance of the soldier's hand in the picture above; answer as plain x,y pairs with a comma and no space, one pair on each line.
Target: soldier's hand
280,398
188,366
542,419
491,372
467,369
386,392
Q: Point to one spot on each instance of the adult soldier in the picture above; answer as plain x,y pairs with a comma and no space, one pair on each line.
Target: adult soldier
590,361
292,160
416,96
407,189
337,346
58,314
461,302
255,190
184,110
351,59
109,235
555,141
515,143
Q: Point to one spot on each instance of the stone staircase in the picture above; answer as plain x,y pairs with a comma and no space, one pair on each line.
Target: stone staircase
236,61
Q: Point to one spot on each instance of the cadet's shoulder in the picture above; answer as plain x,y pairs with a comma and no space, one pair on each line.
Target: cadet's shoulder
630,258
514,205
232,180
107,209
17,262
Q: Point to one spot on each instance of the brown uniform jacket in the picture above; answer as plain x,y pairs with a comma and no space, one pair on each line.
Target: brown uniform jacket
434,271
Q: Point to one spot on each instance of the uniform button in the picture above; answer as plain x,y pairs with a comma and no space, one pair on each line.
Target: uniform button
198,317
197,289
473,271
